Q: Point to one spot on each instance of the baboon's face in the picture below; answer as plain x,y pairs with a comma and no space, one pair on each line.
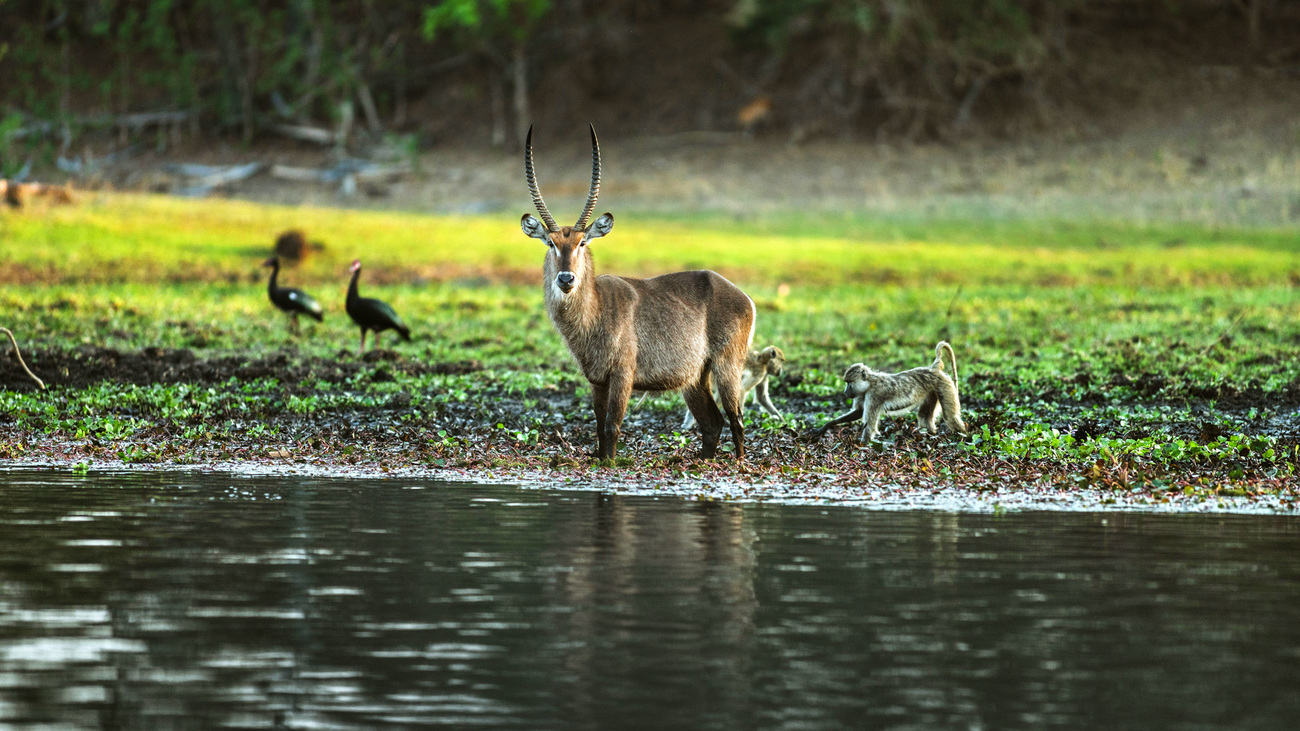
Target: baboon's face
855,380
567,253
775,360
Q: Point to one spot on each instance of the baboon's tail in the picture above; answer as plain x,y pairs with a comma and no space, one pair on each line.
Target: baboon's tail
938,349
19,354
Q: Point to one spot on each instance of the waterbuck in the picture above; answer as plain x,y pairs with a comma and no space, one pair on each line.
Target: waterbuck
687,330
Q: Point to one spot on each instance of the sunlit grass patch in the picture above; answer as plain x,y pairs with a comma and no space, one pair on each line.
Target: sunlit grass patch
153,239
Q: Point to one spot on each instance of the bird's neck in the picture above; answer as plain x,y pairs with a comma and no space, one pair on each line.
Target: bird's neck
270,284
352,286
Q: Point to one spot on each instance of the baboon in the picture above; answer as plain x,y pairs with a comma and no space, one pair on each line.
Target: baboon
760,366
875,393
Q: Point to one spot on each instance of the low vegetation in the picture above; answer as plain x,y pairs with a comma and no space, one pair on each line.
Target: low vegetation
1161,359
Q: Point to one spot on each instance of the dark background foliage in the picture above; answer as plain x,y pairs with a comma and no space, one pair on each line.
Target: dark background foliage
479,71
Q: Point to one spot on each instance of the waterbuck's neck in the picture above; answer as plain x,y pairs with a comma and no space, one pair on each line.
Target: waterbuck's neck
576,313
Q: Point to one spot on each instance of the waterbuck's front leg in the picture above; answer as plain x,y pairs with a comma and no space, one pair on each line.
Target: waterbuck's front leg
616,407
599,404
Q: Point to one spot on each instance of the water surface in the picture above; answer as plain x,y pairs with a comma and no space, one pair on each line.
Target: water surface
197,601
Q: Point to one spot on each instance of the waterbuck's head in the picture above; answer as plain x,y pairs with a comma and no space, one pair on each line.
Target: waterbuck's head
567,260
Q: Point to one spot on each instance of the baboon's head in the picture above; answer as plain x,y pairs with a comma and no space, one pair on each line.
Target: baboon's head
856,380
772,360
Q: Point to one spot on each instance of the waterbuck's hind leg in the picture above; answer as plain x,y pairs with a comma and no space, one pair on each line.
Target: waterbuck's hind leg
699,399
729,393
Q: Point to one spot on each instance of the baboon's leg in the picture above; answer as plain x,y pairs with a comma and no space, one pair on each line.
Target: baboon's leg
952,410
871,421
925,415
729,393
765,401
619,391
699,399
852,415
599,403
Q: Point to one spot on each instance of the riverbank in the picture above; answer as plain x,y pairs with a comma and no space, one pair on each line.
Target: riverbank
1156,359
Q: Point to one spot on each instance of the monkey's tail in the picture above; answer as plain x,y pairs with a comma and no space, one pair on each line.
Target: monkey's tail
21,362
953,356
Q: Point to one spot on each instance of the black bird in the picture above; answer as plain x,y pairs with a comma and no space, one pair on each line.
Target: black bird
293,301
371,314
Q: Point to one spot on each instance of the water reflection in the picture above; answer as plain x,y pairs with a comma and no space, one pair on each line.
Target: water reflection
179,601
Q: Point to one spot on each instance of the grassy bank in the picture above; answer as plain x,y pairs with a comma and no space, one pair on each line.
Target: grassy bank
1108,354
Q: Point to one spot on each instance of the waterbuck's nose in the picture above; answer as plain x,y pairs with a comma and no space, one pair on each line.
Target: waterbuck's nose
565,280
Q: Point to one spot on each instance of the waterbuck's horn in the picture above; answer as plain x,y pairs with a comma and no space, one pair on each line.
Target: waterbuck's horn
532,184
595,182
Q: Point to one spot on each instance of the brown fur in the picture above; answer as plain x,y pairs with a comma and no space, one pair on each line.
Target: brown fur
760,366
686,330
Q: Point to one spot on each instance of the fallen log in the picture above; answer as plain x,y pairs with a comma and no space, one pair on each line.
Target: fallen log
206,177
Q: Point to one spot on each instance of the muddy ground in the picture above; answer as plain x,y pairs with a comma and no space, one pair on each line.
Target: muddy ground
546,435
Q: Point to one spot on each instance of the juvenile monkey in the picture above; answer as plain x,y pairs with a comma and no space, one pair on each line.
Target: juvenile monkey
760,366
875,393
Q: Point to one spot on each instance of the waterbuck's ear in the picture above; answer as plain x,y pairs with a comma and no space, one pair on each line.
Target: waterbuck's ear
600,226
533,228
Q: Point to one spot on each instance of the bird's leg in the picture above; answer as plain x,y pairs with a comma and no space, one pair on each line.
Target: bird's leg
375,340
293,323
363,342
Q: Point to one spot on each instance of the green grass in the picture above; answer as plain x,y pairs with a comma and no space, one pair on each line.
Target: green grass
151,239
1076,342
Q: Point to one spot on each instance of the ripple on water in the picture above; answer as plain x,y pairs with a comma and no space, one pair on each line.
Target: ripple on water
357,604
